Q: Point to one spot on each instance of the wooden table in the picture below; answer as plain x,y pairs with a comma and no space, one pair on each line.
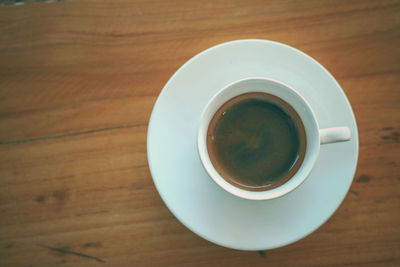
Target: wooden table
78,80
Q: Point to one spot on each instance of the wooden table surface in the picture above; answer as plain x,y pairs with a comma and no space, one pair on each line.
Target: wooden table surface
78,80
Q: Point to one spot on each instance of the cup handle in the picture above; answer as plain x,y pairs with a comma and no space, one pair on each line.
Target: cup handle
335,134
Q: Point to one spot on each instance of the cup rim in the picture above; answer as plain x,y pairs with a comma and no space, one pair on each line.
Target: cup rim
243,193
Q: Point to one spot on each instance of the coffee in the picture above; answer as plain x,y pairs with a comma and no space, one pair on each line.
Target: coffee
256,141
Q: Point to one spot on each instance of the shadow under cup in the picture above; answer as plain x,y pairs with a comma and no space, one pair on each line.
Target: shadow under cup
242,152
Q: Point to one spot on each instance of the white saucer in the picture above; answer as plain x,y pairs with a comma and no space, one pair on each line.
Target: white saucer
189,192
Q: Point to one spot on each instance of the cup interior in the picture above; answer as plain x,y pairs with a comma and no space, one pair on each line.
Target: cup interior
285,93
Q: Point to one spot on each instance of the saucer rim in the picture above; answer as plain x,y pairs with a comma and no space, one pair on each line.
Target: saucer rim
151,125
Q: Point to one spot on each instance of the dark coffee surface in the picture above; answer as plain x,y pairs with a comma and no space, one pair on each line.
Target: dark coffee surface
256,141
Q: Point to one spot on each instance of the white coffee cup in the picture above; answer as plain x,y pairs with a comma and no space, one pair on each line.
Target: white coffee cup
314,135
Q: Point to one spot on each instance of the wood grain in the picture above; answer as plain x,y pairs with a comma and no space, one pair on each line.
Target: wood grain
78,80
